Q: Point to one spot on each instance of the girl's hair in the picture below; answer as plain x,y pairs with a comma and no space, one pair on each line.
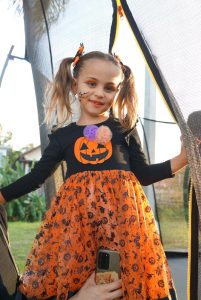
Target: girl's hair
59,100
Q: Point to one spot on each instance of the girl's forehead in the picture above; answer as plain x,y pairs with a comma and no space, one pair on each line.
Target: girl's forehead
101,69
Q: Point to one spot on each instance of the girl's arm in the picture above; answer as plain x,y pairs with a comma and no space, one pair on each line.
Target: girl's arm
179,161
150,173
42,170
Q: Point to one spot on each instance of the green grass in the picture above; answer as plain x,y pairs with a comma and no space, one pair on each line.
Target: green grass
174,235
174,228
21,236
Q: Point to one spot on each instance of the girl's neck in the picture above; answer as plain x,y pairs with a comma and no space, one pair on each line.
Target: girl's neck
86,120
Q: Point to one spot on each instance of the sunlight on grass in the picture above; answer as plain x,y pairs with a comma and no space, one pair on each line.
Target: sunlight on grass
174,228
21,236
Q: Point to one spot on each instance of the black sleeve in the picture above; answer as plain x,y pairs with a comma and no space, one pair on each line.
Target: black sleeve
146,173
41,171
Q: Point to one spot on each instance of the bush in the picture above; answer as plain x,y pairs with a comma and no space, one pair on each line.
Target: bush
30,207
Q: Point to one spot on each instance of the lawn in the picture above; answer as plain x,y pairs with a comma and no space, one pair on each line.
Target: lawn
174,235
21,238
174,228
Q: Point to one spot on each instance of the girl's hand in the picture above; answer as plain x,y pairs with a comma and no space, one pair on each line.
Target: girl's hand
179,161
91,291
2,200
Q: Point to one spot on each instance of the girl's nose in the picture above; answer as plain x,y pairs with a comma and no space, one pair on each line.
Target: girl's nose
99,92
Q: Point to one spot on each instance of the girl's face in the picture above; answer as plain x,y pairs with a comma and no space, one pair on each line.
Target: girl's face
97,85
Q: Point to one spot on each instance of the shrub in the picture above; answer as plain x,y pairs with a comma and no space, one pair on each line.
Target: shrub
30,207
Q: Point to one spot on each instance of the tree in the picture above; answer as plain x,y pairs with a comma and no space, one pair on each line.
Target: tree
4,136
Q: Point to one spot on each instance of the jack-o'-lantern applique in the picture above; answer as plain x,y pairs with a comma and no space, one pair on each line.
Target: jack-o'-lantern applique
95,146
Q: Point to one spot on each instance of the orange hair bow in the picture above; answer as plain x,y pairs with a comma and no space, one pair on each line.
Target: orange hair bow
78,54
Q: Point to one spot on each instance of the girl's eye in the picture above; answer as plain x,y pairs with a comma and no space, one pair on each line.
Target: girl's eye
110,89
91,84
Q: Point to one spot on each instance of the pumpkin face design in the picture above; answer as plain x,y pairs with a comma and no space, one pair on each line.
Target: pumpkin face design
91,152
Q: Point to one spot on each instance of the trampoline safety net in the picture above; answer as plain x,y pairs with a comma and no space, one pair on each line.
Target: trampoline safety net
167,35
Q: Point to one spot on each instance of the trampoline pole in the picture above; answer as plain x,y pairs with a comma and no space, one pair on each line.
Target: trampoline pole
5,64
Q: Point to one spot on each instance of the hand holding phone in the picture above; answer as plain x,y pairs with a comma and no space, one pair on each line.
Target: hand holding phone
107,266
91,291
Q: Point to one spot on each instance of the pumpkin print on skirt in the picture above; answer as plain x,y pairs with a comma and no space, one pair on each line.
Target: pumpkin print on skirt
95,209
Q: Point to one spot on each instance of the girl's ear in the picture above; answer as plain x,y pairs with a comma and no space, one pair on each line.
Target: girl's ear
74,86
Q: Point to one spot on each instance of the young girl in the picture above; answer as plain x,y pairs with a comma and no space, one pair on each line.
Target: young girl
101,204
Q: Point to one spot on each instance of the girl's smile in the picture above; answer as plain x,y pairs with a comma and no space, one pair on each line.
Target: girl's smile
96,103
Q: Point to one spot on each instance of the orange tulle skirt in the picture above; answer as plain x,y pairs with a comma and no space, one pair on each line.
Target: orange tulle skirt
95,209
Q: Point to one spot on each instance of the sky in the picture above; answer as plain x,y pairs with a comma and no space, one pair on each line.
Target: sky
18,112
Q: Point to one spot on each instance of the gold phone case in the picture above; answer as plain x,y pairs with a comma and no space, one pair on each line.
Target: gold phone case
112,272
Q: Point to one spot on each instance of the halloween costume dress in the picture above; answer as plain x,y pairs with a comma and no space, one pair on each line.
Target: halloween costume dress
101,204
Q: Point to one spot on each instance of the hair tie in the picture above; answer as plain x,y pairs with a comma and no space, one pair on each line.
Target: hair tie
78,54
125,69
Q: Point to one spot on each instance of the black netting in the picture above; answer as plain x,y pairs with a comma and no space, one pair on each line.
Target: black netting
53,33
168,34
169,37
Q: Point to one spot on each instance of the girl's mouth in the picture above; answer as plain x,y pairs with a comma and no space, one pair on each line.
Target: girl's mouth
97,103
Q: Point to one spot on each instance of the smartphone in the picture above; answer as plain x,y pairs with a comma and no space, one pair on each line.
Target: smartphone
107,266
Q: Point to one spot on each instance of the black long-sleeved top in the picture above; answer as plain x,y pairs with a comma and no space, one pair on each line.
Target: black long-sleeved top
126,155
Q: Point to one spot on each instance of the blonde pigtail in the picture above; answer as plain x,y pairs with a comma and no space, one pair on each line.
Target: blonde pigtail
126,104
58,100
